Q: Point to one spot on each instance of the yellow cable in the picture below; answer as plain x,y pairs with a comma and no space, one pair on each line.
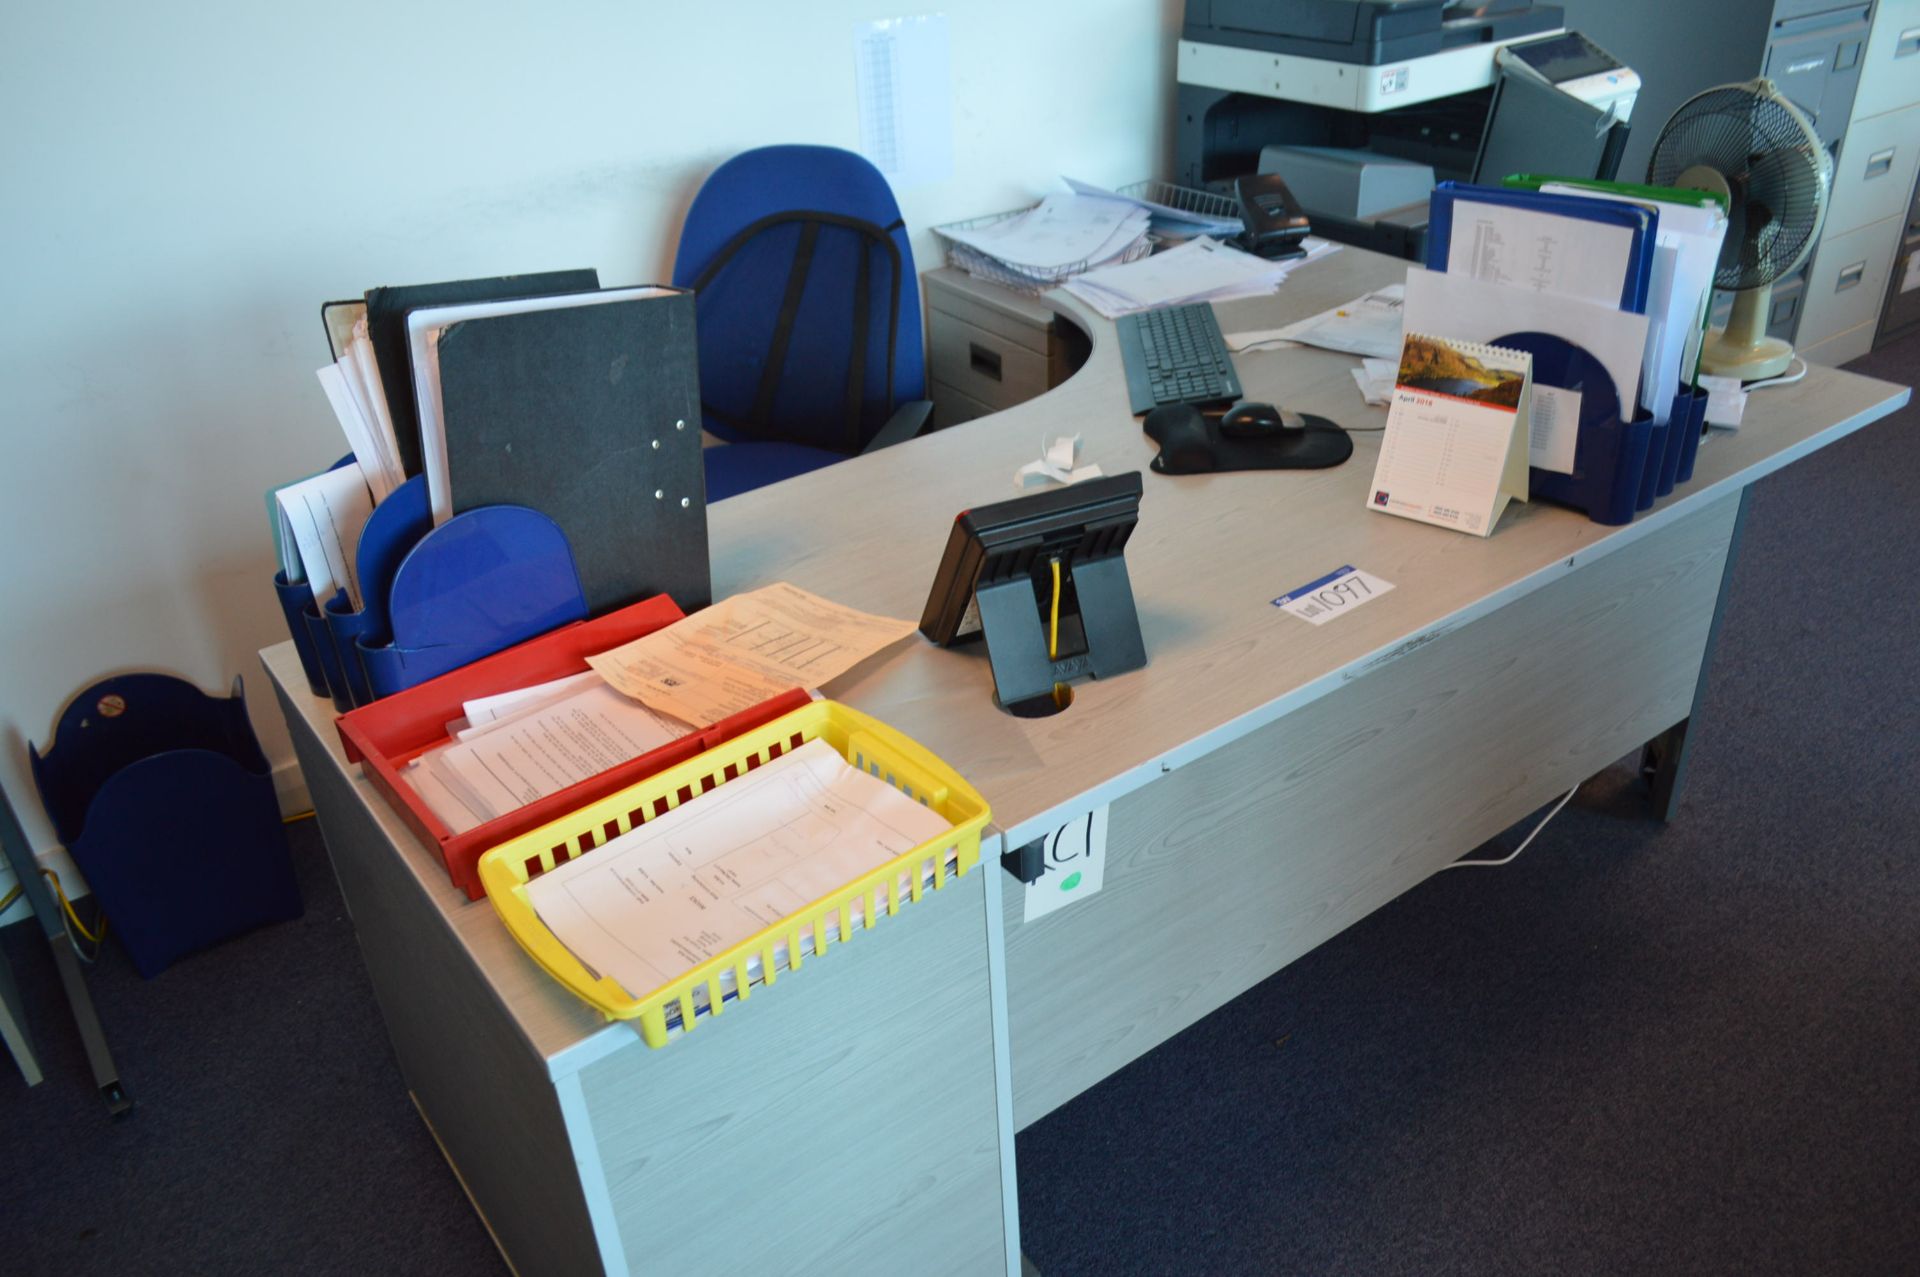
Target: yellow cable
1053,629
67,904
299,815
10,897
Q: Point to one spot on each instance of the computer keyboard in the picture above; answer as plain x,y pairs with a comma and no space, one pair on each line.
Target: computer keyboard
1176,355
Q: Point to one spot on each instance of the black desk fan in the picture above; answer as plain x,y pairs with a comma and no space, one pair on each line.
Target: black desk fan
1748,143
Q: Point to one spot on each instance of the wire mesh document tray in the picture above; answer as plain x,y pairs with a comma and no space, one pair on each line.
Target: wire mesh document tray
981,266
676,1007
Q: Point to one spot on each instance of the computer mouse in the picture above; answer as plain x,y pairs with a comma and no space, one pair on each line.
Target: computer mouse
1250,420
1181,431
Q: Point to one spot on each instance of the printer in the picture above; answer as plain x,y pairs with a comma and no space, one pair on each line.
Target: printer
1362,105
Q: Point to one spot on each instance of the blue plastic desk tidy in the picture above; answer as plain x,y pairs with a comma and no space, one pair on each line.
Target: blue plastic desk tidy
393,529
163,798
298,605
482,581
296,600
1610,457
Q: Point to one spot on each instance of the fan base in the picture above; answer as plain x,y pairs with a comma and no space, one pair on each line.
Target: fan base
1749,361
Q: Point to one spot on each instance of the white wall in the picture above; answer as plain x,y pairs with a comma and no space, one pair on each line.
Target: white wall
181,185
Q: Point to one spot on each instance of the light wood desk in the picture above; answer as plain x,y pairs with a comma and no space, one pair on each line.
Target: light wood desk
1270,783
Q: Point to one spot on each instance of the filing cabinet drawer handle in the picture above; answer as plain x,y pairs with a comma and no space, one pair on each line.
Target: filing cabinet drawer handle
1849,276
983,361
1908,43
1880,163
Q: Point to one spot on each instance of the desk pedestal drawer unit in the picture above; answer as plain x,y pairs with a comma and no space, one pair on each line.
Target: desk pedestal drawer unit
990,348
847,1119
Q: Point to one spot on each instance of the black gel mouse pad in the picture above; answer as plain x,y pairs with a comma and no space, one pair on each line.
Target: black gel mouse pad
1191,443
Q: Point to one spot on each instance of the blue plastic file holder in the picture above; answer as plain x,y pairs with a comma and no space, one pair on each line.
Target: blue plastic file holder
391,532
304,622
1657,435
333,673
163,798
1690,437
1610,456
295,602
480,582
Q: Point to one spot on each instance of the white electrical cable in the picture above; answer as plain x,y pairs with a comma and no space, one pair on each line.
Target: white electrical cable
1491,864
1784,379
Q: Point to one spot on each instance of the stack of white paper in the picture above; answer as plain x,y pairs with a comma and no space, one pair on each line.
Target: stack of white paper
1375,377
318,524
359,401
1059,237
1679,294
1168,221
655,902
499,766
1202,269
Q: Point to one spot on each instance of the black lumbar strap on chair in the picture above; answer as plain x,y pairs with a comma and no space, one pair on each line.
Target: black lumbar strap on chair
760,418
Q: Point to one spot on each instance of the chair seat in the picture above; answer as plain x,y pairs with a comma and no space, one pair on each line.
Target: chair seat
739,467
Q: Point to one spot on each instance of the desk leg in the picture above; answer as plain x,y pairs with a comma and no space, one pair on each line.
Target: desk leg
1663,760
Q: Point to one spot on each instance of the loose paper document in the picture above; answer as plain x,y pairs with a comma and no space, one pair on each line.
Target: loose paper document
544,750
1167,218
1201,269
1375,379
1695,231
1056,465
325,515
1540,252
486,710
903,72
744,649
656,902
1061,234
1367,325
1467,308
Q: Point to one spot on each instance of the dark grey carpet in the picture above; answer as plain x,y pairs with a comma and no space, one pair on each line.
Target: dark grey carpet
271,1132
1692,1049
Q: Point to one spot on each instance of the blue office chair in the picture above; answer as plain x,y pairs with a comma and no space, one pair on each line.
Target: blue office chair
808,312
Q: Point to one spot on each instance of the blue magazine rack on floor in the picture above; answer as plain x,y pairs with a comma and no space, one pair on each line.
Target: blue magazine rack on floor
163,798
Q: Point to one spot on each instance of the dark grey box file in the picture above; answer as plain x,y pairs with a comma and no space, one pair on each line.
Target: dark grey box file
591,415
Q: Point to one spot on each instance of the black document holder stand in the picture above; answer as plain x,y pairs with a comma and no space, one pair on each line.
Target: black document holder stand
1102,618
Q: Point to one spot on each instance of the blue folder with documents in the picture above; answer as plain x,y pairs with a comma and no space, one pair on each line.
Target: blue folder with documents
1512,233
1592,252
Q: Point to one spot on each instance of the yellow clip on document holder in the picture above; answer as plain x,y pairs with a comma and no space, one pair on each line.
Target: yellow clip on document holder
865,743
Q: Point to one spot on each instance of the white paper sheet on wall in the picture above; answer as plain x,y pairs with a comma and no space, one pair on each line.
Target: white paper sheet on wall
903,72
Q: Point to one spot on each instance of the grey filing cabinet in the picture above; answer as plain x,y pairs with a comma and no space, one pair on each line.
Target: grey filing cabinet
1902,313
990,348
1870,219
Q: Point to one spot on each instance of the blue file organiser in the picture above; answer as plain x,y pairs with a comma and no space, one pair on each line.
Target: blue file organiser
1642,223
393,529
433,598
1610,457
482,581
163,798
295,602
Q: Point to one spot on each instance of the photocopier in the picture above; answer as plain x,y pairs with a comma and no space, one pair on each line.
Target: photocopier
1362,105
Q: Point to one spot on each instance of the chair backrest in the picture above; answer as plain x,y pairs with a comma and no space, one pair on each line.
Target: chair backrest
807,303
